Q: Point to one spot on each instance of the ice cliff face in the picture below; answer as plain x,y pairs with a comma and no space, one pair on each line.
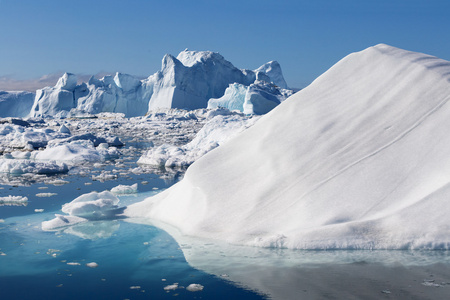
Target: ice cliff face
15,104
357,160
188,81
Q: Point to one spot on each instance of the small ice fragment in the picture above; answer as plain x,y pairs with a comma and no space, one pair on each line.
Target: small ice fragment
39,210
125,189
386,291
135,287
171,287
92,265
42,187
144,182
155,188
13,201
45,194
224,275
88,183
73,264
57,182
194,287
59,285
163,279
2,221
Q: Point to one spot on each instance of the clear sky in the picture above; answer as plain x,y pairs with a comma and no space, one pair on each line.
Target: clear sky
41,37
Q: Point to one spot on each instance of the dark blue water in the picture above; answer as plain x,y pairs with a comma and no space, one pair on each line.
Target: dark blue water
134,261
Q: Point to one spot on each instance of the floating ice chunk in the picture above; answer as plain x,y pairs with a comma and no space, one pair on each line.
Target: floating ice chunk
92,205
135,287
39,210
92,265
125,189
76,151
171,287
194,287
57,182
46,194
18,167
73,263
13,201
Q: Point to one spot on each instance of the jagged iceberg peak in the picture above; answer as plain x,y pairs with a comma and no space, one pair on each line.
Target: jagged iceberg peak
190,58
187,81
273,70
126,82
356,160
67,82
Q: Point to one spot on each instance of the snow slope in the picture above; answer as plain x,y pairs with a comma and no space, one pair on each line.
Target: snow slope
357,160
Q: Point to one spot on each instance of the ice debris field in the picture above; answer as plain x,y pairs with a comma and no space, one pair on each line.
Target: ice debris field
356,160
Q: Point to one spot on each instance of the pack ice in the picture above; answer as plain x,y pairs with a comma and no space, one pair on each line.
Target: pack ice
357,160
187,81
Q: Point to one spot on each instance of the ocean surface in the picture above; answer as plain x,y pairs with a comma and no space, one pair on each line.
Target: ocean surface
133,259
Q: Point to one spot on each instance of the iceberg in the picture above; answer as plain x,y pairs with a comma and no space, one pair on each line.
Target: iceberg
187,81
357,160
87,207
15,104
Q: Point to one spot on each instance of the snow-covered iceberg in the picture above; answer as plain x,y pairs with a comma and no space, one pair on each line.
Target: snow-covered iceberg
87,207
357,160
187,81
258,98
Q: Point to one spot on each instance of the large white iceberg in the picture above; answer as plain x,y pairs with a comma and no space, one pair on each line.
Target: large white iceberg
187,81
357,160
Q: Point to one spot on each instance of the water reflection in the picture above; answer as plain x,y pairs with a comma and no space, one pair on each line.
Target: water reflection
294,274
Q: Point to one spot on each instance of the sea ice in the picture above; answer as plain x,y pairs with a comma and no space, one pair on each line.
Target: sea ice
125,189
13,201
194,287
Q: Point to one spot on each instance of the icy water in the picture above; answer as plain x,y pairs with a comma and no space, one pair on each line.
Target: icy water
132,259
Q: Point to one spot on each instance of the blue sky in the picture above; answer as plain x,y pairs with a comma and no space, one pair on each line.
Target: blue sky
306,37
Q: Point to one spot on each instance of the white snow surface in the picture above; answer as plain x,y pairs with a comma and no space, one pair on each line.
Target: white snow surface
357,160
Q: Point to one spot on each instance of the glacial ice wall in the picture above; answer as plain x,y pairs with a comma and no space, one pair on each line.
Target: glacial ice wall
187,81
